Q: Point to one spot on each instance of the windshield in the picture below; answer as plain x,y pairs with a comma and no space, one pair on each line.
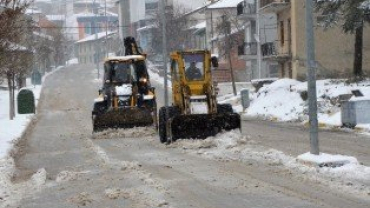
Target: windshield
120,72
194,66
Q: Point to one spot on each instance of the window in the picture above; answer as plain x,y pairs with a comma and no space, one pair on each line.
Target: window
88,28
194,66
282,32
151,5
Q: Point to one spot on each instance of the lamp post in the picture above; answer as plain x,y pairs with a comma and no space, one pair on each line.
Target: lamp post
164,49
258,40
311,83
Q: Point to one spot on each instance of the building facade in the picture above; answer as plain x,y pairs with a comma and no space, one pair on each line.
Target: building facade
256,67
334,49
94,48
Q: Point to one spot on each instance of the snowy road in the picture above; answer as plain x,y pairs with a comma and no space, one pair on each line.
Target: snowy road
293,139
130,168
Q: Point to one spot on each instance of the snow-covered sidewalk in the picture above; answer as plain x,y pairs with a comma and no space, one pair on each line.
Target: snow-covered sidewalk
283,100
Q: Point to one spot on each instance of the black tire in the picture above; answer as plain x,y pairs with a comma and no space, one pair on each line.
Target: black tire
162,120
224,108
100,107
162,125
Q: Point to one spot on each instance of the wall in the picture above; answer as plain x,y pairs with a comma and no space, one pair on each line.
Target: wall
334,48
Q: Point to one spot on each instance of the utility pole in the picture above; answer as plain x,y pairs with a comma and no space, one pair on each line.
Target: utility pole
106,28
227,30
94,26
259,39
164,50
311,74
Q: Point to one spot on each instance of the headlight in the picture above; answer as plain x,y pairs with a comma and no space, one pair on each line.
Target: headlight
142,79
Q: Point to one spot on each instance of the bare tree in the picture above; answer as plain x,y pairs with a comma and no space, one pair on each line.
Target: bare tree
229,38
12,30
176,25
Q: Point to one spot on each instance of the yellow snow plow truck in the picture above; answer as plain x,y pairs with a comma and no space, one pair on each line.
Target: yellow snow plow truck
194,112
127,98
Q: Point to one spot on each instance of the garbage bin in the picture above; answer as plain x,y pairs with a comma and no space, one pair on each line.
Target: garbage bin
245,98
26,102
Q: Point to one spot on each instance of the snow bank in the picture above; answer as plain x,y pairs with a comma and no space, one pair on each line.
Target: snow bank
12,129
277,101
284,100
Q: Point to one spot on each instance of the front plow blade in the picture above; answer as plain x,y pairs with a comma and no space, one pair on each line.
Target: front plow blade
122,118
203,125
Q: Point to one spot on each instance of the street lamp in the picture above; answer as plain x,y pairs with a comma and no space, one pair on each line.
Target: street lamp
258,39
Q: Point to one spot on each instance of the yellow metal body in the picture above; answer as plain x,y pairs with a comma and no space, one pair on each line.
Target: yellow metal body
183,88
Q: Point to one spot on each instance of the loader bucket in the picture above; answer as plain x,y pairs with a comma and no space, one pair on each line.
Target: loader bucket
122,118
202,126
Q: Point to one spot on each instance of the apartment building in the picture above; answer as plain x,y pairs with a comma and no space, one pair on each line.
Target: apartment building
256,67
334,49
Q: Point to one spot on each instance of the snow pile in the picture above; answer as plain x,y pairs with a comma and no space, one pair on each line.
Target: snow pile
137,132
232,146
11,194
277,101
286,100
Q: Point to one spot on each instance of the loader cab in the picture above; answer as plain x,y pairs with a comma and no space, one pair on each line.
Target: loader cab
194,67
125,70
118,73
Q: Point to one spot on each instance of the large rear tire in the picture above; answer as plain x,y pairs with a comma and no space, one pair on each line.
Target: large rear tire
165,113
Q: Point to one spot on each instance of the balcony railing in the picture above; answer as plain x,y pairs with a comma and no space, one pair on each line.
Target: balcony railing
276,50
274,5
244,8
269,49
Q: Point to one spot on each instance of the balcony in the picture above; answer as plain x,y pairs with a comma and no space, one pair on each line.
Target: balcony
246,11
248,50
275,51
274,6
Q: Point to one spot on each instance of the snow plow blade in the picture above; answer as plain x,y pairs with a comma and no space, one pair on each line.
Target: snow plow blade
122,118
202,126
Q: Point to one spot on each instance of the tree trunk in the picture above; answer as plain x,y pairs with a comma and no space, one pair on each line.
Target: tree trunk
357,65
9,79
13,95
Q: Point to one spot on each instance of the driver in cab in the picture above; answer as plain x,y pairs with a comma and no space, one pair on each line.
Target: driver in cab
193,72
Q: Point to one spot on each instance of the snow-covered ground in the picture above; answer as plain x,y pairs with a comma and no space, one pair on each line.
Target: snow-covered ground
279,101
282,101
11,130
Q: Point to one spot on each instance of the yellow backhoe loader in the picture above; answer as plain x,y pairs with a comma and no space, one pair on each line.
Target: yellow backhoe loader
127,98
194,112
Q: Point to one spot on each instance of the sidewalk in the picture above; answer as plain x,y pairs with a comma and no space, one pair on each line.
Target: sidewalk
293,139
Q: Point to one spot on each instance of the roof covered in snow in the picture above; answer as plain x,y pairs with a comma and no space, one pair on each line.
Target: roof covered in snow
125,58
199,25
225,4
56,17
95,36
